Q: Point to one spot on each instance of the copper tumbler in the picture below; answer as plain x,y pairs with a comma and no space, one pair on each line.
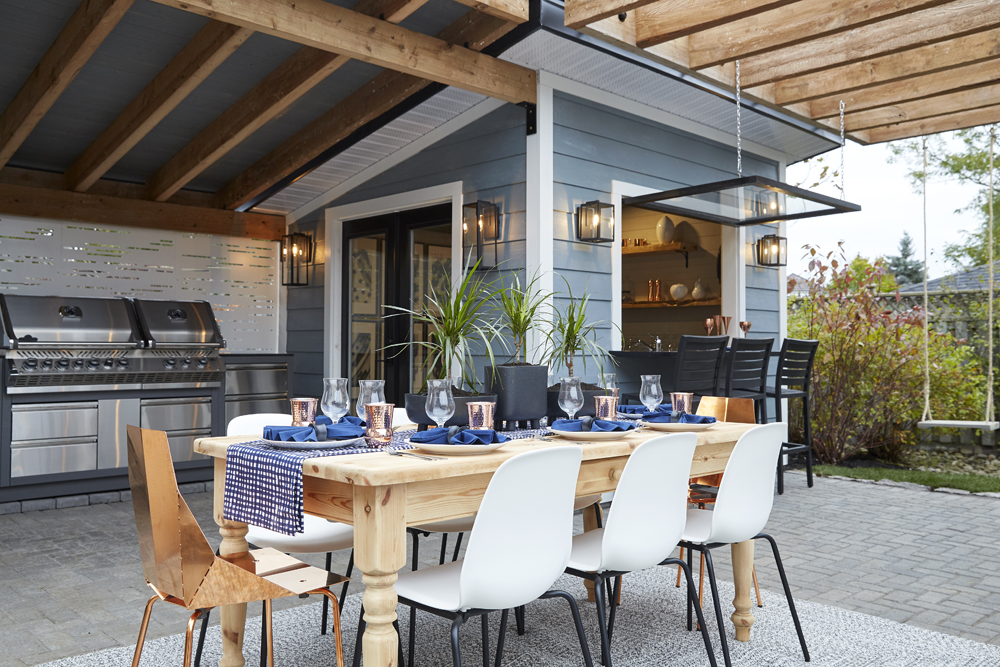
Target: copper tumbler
304,411
681,401
481,415
605,407
379,418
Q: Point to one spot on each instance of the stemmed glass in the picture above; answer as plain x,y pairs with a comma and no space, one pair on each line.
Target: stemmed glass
570,396
745,327
709,325
610,383
370,391
440,405
336,398
651,394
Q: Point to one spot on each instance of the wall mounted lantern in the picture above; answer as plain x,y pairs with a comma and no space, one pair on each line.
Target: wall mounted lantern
480,232
772,250
296,255
595,222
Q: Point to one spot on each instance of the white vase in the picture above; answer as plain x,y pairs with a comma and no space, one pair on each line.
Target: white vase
664,230
678,291
698,292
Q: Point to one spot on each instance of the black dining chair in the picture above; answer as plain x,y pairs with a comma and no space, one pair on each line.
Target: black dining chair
699,359
746,372
793,378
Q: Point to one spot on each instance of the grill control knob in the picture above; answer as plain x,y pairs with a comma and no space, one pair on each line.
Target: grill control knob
93,363
170,363
78,363
30,364
63,364
185,362
46,363
108,363
202,363
123,363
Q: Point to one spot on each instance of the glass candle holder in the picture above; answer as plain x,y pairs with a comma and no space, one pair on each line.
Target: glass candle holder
303,411
379,419
605,407
481,415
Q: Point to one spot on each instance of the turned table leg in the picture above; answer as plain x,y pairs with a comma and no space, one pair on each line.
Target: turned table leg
379,552
743,578
233,616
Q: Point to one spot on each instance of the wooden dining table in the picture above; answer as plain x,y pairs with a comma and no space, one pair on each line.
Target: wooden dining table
380,495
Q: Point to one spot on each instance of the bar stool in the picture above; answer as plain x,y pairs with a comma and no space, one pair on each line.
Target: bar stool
699,359
746,373
795,364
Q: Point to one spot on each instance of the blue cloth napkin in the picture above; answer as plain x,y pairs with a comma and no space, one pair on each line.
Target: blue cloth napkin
290,433
695,419
641,409
323,420
597,425
343,431
658,417
477,437
432,436
350,419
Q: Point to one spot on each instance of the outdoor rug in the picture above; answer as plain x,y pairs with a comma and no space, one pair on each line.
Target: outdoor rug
649,632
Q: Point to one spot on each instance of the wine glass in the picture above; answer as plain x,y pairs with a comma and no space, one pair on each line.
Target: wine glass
440,405
726,319
370,391
709,325
651,394
336,398
570,396
745,327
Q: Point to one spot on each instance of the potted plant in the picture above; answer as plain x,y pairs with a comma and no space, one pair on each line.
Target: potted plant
456,321
573,335
520,386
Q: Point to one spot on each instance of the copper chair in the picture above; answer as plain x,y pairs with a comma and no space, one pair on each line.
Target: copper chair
180,566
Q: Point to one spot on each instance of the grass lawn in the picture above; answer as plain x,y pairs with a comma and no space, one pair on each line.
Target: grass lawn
973,483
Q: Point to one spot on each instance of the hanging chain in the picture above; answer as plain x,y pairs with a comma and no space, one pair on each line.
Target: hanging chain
843,143
989,377
739,128
927,357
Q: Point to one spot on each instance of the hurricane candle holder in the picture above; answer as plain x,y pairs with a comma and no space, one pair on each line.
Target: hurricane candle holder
481,415
605,407
304,411
378,417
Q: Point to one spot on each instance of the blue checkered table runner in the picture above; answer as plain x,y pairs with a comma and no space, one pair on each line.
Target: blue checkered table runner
264,483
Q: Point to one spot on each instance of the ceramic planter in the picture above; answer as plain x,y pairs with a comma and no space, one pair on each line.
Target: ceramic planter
521,392
418,415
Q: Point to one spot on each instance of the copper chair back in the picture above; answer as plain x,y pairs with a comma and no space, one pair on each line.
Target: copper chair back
176,555
738,410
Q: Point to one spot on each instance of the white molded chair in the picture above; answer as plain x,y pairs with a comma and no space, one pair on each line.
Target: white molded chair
536,491
742,508
643,527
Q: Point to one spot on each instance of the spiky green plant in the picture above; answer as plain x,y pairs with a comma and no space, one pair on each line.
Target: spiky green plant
519,311
572,334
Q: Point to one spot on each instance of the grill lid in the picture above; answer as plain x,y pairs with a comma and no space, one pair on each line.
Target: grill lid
45,321
178,324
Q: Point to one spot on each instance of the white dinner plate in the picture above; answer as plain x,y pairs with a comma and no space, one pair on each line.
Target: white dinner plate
457,450
593,436
677,428
626,415
328,444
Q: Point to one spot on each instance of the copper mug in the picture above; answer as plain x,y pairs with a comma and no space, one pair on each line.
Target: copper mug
379,420
481,415
681,401
304,411
605,407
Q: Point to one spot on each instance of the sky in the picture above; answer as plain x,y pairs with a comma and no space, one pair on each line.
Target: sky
889,204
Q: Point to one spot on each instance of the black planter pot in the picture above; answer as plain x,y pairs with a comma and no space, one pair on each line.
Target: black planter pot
521,393
418,415
588,409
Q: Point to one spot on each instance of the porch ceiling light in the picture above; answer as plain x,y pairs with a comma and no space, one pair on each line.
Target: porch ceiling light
595,222
480,233
296,255
740,202
772,250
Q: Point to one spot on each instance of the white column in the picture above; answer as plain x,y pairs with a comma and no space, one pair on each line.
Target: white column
539,232
734,274
782,277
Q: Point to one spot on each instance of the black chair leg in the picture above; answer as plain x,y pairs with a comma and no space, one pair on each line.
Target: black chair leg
614,607
788,591
692,593
809,441
781,471
356,662
600,514
411,640
587,659
263,635
456,651
343,591
485,620
500,637
690,597
201,638
602,622
458,547
326,600
519,619
444,547
718,606
399,644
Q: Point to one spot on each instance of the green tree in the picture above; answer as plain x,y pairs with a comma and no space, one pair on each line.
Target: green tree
906,269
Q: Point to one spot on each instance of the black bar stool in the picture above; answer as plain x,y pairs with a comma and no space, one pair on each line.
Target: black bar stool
746,373
795,363
699,359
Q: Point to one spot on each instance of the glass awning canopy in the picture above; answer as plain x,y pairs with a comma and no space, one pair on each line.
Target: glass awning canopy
751,200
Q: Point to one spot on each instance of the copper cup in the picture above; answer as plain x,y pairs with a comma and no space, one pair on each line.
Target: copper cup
303,411
681,401
481,415
379,418
606,407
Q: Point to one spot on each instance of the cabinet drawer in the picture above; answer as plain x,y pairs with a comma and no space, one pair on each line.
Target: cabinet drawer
176,414
44,421
27,459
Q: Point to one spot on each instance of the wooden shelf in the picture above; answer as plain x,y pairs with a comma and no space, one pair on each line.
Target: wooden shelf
687,303
657,248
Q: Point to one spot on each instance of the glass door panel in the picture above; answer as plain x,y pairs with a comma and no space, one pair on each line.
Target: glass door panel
366,328
430,274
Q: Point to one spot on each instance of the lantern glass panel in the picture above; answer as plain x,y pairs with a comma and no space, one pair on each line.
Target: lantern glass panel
595,222
480,231
772,250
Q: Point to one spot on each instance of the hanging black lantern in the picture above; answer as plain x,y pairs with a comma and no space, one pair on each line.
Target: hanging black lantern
772,250
480,233
595,222
296,255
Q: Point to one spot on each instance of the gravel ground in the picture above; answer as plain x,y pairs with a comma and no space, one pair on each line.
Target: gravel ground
955,462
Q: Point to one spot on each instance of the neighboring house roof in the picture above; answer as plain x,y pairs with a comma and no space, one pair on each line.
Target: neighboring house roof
801,285
973,279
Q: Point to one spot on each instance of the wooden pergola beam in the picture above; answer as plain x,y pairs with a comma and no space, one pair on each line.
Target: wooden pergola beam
515,11
86,29
801,22
199,58
285,85
907,90
370,101
326,26
940,105
102,210
580,13
670,19
915,62
903,32
917,128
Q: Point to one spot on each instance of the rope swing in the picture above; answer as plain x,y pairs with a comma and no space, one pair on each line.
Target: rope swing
927,421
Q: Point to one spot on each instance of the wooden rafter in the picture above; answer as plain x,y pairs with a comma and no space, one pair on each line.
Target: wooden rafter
206,51
326,26
103,210
89,25
940,105
801,22
515,11
669,19
264,102
370,101
580,13
916,128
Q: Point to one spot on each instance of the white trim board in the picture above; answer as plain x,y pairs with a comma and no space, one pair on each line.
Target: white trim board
539,241
333,285
465,118
588,92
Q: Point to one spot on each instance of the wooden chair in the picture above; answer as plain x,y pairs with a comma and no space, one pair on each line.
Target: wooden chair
180,566
704,489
